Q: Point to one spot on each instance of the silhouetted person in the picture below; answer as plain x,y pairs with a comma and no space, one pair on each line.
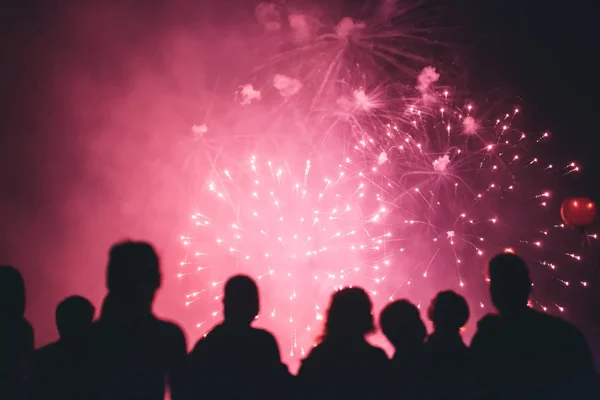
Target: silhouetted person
446,353
344,365
132,353
16,336
401,323
235,360
523,353
59,367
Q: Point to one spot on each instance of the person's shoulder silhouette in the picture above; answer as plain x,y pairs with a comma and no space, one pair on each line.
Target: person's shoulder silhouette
344,364
58,366
488,323
16,336
521,349
134,354
402,325
235,360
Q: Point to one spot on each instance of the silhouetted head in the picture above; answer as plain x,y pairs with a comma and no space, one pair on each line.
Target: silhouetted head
349,315
240,302
510,285
133,275
401,323
448,311
74,315
12,293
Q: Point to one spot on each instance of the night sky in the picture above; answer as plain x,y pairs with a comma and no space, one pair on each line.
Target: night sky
541,51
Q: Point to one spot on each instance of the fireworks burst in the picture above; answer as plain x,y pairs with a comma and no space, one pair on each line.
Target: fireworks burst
301,232
417,204
410,192
312,65
461,187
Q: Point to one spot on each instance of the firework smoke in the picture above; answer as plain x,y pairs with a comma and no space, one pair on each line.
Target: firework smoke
131,159
437,189
425,82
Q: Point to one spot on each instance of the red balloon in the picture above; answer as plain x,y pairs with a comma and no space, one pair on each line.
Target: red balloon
578,212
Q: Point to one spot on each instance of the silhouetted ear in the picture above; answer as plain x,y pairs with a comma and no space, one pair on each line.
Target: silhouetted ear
430,310
159,281
257,307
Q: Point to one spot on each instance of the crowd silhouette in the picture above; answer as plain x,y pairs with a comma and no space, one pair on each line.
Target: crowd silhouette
129,353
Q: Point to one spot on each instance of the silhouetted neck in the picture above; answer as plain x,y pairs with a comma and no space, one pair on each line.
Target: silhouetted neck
515,312
446,332
232,323
74,342
115,309
344,339
408,352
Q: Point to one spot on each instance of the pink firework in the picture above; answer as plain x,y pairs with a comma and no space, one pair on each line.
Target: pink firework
408,209
301,228
463,187
407,189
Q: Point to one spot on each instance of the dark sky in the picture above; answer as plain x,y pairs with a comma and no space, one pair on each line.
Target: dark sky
543,51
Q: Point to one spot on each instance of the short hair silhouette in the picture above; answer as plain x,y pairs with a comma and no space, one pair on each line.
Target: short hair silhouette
401,323
74,315
241,303
12,292
448,311
349,314
510,285
133,270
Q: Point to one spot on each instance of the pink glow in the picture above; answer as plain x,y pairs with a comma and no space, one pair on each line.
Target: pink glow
139,113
